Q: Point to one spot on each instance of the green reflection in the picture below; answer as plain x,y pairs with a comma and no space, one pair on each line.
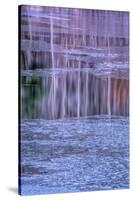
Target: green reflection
31,95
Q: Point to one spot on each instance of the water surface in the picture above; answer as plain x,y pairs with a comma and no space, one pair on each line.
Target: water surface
74,155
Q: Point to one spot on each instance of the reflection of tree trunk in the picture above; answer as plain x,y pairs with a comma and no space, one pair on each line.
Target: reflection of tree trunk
86,93
109,96
78,92
63,108
52,41
109,80
53,66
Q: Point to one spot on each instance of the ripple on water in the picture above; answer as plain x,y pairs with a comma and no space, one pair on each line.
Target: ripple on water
74,155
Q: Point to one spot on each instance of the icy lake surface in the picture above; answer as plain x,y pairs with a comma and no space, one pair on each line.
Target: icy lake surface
74,155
